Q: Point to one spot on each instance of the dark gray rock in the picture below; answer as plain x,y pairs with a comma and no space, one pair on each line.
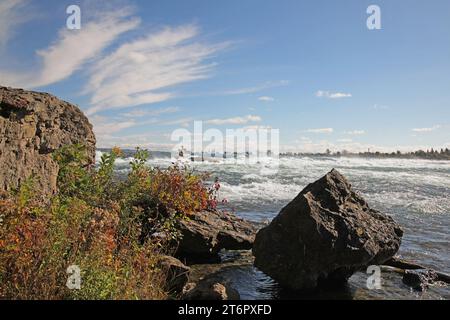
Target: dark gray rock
420,279
207,232
324,235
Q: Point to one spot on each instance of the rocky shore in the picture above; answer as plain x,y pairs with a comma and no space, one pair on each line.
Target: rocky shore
324,235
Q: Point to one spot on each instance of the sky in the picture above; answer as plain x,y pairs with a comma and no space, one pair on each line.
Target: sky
312,69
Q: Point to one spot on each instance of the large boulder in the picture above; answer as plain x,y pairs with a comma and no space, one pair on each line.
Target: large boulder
205,233
32,126
324,235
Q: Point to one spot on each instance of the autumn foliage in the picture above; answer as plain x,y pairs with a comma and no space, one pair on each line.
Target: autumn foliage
101,224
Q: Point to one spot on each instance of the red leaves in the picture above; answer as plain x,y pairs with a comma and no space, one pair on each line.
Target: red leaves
179,190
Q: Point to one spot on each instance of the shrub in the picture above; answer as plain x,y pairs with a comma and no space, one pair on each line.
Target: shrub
98,223
82,226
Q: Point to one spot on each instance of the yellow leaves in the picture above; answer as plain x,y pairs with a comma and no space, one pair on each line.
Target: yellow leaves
117,151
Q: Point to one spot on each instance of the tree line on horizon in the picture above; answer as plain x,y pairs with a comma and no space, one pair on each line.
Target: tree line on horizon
431,154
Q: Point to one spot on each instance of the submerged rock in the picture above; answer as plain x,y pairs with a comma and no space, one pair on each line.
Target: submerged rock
420,279
32,126
207,232
324,235
209,289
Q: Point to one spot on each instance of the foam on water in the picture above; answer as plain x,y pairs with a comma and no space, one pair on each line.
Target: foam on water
415,192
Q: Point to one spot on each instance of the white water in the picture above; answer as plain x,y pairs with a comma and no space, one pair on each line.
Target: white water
415,192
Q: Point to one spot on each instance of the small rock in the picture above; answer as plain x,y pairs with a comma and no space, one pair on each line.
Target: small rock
209,289
419,279
177,273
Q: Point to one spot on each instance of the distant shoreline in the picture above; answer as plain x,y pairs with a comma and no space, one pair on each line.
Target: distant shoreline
443,154
422,155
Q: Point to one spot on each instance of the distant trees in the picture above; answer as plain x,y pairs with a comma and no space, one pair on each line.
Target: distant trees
432,154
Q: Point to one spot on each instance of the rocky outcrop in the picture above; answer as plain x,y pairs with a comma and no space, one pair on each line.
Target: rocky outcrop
324,235
177,273
32,126
207,232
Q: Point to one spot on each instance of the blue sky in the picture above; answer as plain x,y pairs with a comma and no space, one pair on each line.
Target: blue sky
141,69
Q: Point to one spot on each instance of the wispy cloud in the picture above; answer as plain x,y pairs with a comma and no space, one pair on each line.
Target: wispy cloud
258,88
183,122
149,140
425,130
151,112
332,95
106,126
235,120
257,127
11,15
73,49
355,132
142,71
266,99
320,130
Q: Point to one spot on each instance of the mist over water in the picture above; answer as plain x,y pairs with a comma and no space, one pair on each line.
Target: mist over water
416,193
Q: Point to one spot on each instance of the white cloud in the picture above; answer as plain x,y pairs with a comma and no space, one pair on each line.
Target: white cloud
235,120
257,127
138,71
425,130
355,132
73,49
184,122
106,126
11,15
154,141
321,130
154,112
332,95
266,99
266,85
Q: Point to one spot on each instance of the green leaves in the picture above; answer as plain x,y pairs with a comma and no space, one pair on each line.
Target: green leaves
139,159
